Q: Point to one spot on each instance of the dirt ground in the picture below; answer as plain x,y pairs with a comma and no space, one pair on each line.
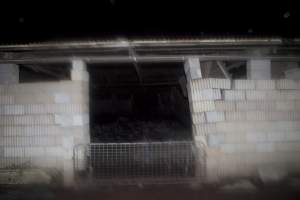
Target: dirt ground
166,192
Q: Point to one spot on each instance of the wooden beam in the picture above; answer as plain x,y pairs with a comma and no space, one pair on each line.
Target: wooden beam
223,69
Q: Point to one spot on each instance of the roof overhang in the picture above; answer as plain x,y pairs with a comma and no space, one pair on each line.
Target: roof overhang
162,50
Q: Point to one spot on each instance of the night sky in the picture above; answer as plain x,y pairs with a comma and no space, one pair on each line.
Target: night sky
109,19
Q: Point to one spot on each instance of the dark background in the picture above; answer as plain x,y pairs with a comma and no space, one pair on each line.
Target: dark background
108,19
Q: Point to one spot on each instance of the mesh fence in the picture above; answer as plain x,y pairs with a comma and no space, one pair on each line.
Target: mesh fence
155,161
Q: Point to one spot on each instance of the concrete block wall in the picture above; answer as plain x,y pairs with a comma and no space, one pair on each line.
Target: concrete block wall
246,125
40,123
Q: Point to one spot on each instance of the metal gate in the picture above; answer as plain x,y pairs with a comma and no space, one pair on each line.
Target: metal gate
144,162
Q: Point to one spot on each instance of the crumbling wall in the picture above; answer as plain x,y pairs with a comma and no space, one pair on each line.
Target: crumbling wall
247,126
40,123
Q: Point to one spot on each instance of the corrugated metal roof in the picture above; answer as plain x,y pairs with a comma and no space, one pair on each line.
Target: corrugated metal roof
155,49
123,42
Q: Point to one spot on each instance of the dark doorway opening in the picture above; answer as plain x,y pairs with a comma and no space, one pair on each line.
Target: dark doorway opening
134,103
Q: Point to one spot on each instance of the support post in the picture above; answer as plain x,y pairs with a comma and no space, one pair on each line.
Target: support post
78,122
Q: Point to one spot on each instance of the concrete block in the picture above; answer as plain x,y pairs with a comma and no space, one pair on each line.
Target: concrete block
4,99
297,105
285,115
237,148
235,116
68,142
202,106
287,84
201,139
12,110
61,98
257,126
256,137
286,105
63,120
291,136
289,94
34,152
35,109
206,94
14,152
78,65
79,75
26,120
244,84
209,83
66,120
54,151
29,141
258,116
215,140
228,148
246,105
198,118
192,68
256,95
55,108
46,87
258,69
33,98
259,105
30,131
204,129
235,137
80,119
276,136
234,94
225,105
214,116
265,147
287,147
9,73
265,84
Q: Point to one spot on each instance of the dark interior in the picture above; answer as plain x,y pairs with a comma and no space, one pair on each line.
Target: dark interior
138,102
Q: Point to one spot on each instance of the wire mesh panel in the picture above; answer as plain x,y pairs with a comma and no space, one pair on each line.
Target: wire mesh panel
155,161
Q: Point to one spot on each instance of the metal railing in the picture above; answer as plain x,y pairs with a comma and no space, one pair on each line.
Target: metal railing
142,162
